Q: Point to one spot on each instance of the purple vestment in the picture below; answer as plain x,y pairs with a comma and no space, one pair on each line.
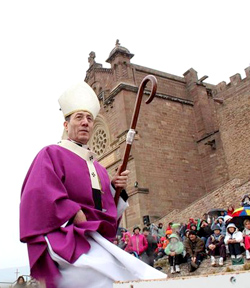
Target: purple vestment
56,187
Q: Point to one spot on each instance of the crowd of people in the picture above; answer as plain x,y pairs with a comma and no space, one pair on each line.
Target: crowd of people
31,283
218,238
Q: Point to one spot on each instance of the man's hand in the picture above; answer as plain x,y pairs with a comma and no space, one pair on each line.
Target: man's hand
193,259
120,180
79,218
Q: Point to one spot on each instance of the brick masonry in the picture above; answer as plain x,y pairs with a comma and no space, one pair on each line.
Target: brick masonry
229,194
188,144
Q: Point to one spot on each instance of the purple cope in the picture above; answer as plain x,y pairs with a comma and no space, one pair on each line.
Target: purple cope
56,187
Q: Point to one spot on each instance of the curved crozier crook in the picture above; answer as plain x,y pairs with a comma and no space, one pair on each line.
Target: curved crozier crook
139,97
153,89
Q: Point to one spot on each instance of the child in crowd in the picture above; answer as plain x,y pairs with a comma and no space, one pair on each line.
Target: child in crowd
124,243
233,239
174,251
161,246
246,235
216,246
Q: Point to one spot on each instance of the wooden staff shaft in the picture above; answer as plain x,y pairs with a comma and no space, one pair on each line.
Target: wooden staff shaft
135,116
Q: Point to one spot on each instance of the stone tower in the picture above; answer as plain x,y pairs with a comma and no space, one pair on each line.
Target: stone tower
178,155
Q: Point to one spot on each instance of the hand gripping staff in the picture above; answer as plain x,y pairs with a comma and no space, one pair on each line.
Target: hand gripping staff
131,132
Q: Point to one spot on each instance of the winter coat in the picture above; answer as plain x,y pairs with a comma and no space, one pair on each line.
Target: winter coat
218,242
174,247
237,235
161,232
205,231
138,243
246,232
194,247
152,245
153,229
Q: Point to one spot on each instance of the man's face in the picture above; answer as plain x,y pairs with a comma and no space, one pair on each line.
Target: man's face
80,126
192,237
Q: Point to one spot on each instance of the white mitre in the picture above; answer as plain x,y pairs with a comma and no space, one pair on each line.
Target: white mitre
80,97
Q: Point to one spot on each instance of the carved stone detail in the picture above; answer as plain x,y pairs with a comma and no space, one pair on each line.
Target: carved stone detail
100,140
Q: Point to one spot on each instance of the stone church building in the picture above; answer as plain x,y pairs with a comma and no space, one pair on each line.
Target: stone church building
192,139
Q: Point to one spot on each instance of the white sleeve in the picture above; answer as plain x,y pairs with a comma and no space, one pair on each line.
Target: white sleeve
226,239
239,237
122,205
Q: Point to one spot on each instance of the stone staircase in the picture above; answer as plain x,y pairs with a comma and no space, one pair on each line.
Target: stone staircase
204,269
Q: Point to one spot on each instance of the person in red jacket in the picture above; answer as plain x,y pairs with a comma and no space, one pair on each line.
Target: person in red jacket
230,210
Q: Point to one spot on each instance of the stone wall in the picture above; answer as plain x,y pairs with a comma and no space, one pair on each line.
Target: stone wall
234,122
229,194
187,144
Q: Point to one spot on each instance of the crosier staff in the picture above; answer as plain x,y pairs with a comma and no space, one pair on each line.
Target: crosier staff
131,132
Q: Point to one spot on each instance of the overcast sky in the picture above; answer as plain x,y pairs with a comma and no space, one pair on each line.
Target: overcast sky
45,47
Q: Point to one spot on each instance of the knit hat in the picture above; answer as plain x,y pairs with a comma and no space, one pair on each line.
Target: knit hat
216,227
192,232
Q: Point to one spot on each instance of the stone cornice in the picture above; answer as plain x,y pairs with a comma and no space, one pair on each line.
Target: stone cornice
158,73
129,87
139,190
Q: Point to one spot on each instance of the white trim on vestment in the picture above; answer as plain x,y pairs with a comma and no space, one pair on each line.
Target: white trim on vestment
90,157
104,264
